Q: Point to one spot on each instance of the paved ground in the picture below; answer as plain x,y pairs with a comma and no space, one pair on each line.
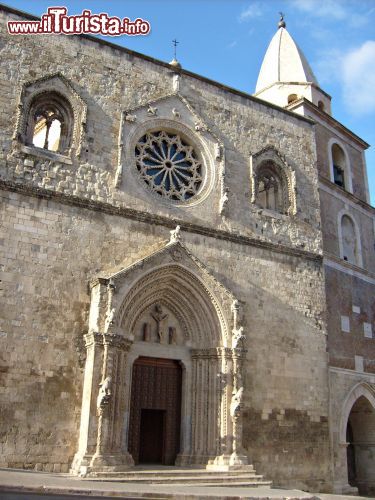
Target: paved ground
30,485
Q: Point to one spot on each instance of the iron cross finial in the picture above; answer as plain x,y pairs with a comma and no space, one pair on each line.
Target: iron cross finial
175,42
281,22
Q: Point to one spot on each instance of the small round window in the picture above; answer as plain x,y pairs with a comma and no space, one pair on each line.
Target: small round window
169,165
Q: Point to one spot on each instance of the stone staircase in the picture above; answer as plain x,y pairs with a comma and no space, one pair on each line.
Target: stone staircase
244,477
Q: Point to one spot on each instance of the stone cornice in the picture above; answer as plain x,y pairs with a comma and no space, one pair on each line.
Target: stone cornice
342,193
159,220
325,117
339,264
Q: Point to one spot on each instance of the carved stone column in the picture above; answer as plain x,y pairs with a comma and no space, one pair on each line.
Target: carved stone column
205,406
238,457
101,445
224,392
184,456
232,455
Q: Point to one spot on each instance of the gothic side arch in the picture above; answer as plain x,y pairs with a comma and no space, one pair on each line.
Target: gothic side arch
361,389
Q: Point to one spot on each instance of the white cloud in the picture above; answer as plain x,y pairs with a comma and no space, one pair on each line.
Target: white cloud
328,8
231,45
324,69
332,10
358,74
254,10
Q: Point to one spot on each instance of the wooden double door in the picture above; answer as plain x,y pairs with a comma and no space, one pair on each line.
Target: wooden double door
155,411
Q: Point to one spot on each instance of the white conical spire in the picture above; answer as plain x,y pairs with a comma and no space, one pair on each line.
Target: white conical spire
285,75
284,62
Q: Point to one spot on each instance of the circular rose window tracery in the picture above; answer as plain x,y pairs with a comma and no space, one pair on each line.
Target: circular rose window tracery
168,165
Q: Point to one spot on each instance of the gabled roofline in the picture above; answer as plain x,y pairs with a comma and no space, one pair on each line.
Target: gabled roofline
226,88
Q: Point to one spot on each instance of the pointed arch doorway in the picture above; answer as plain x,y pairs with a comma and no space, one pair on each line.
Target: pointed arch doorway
155,411
361,446
355,467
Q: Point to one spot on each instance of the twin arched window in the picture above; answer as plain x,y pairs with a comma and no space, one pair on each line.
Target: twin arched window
271,188
50,123
51,118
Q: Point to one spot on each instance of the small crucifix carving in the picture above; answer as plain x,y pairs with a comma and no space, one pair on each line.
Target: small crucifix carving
159,316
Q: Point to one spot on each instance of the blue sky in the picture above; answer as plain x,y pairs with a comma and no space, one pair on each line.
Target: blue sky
225,40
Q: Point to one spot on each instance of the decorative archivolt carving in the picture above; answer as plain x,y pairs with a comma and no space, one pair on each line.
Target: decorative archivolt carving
184,280
57,85
179,290
271,160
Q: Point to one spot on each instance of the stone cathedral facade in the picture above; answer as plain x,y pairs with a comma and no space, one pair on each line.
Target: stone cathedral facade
187,270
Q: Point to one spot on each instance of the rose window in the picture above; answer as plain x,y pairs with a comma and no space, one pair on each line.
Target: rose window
168,165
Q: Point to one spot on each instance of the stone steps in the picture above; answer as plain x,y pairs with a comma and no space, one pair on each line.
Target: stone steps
244,478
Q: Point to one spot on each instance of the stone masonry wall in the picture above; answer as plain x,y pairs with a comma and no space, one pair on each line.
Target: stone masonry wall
51,252
111,81
50,249
345,345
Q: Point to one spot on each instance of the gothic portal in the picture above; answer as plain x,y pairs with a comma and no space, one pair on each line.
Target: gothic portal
163,377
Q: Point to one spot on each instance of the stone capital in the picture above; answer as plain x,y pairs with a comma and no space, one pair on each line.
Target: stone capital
109,339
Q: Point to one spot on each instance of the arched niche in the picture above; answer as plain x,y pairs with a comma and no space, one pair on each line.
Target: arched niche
349,238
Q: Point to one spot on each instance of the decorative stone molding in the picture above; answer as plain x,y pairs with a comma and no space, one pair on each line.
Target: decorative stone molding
55,84
270,155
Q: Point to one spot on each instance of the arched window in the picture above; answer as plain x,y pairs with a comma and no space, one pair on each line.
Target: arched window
338,159
321,105
271,189
292,98
349,238
50,123
339,165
